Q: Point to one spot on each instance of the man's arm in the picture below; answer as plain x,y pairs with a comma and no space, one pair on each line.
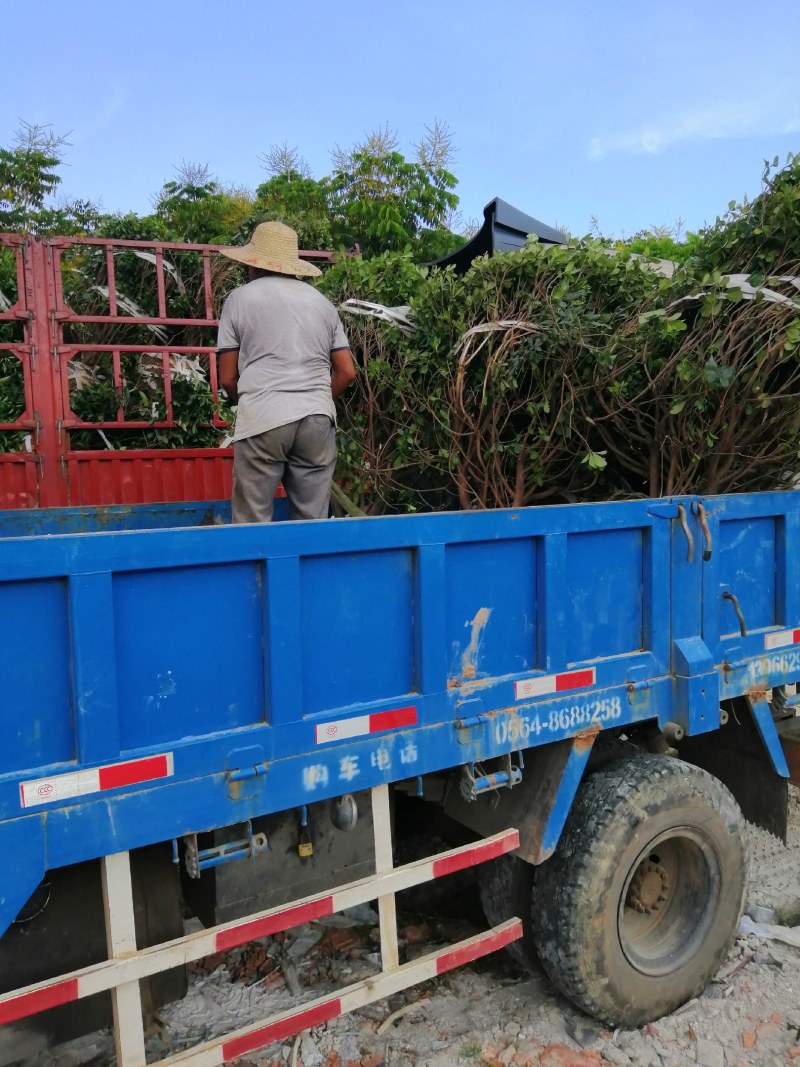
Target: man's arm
343,370
228,373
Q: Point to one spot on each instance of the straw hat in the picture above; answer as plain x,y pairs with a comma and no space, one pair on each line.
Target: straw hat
273,246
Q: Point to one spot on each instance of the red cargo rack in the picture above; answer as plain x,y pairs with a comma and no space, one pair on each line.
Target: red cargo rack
48,471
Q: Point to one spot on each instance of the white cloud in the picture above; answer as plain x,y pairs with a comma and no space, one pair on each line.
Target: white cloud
727,119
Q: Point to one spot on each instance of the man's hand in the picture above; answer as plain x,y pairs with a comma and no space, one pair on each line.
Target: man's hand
343,370
228,373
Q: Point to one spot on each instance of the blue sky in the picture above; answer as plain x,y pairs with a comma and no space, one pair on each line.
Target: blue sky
637,113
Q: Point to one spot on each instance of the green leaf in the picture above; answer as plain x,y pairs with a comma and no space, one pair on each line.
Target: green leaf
595,461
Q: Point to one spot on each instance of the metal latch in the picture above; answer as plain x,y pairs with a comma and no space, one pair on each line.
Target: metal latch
474,780
471,723
241,774
200,859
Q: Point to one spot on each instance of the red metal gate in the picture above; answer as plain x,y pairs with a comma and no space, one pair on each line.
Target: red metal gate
21,472
48,471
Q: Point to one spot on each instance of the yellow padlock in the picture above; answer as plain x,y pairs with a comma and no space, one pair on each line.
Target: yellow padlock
305,848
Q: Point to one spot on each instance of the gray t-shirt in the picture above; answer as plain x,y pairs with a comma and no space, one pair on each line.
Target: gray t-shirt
285,331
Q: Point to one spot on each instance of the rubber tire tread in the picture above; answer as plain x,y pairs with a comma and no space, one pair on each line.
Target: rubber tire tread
506,888
569,885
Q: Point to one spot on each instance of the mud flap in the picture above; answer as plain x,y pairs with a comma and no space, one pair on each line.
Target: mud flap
736,755
538,806
789,734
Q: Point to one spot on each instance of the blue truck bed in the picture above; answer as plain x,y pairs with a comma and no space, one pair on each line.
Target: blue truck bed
162,682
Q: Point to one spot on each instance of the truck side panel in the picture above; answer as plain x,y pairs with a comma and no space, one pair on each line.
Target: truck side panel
200,678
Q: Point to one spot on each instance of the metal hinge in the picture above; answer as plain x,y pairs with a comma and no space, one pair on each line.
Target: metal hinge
242,773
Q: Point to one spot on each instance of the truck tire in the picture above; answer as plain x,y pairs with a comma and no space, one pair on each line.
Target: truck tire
506,886
638,906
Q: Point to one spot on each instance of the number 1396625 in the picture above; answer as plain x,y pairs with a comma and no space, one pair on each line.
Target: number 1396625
780,663
515,728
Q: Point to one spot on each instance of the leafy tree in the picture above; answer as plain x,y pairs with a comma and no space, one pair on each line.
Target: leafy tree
436,150
298,200
385,203
204,213
379,142
280,160
28,174
375,198
194,173
381,442
655,245
28,180
759,236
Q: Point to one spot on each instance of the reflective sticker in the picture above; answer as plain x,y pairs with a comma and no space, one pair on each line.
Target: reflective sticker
782,638
361,725
97,780
554,683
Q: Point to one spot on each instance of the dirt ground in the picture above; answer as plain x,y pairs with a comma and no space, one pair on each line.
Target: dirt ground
491,1013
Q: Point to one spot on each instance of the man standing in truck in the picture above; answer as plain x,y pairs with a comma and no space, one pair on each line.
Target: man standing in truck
283,358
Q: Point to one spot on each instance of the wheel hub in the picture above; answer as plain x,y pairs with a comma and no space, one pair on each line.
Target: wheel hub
648,888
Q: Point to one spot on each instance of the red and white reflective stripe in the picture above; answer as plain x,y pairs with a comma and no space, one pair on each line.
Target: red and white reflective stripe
322,1011
475,947
458,859
52,996
97,780
361,725
782,638
348,897
273,923
554,683
149,961
251,1038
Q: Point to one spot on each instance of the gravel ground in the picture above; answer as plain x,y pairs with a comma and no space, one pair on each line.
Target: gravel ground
492,1013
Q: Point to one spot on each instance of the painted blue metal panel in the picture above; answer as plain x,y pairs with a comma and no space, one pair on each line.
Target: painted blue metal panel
36,522
747,566
604,594
94,667
492,608
37,717
357,637
185,667
430,609
226,647
756,558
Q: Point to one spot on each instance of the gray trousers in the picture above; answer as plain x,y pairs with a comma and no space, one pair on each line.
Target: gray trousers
302,454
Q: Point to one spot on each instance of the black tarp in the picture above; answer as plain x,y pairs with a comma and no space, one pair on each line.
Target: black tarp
505,229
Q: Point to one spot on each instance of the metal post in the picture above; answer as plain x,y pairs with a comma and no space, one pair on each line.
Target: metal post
44,335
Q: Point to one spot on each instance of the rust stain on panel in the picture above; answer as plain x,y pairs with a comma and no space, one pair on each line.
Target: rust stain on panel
469,661
585,739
